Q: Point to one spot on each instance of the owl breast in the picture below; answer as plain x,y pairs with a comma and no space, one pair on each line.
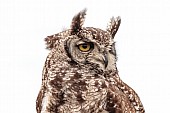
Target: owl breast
82,92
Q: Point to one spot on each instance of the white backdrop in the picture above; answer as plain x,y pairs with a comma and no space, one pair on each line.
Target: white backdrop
143,46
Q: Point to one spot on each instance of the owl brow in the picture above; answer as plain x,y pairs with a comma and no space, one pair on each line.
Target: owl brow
84,40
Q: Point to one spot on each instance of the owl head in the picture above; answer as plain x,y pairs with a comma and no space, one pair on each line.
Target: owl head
87,46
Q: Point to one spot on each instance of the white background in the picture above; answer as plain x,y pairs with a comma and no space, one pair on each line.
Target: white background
143,46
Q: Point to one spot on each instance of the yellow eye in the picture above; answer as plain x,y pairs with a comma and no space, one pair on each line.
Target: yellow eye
85,47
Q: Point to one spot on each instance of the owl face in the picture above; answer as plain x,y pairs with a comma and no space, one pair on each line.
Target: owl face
85,48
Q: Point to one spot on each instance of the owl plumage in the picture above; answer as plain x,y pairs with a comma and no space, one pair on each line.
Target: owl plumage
80,74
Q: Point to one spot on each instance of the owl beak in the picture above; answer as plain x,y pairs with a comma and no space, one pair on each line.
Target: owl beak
105,59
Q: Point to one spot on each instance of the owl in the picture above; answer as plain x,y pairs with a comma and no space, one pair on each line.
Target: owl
80,73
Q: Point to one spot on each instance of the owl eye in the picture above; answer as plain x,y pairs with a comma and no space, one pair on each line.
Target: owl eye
85,47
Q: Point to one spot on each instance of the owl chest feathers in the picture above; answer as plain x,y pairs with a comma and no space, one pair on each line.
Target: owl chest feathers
81,90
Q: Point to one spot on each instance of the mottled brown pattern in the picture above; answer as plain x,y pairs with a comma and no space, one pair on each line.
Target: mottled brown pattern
39,100
75,81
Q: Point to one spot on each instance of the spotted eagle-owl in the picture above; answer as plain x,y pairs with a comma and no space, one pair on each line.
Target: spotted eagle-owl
80,74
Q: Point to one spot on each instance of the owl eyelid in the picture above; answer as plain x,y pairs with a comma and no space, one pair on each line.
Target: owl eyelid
90,43
83,42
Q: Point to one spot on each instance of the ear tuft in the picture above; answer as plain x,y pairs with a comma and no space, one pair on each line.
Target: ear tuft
113,26
78,21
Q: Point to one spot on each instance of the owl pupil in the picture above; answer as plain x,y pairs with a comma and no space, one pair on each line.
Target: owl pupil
84,46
